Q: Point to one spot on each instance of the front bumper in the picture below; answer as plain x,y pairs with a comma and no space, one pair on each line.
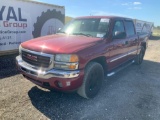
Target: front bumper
69,80
45,74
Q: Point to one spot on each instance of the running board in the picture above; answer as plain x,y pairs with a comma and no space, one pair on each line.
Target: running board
120,68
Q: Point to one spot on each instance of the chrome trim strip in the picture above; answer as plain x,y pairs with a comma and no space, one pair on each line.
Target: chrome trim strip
132,52
114,72
119,57
123,56
45,74
110,74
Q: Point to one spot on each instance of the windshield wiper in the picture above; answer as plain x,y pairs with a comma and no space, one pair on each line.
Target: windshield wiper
88,35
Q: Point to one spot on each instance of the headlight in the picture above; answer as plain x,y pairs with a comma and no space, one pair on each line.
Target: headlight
67,62
66,58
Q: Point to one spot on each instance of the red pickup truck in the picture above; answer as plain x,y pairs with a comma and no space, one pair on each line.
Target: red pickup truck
79,56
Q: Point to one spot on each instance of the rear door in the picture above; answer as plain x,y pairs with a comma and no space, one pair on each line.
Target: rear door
132,38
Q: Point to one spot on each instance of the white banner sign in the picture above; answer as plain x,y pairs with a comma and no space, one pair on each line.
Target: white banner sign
21,21
143,26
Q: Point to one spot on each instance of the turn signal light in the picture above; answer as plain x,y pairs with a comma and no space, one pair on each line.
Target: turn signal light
74,58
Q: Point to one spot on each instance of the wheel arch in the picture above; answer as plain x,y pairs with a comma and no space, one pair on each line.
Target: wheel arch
101,60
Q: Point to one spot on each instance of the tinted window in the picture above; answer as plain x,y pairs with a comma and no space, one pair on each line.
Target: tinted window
129,28
119,26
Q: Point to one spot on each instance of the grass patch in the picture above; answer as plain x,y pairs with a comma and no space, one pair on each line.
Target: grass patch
156,32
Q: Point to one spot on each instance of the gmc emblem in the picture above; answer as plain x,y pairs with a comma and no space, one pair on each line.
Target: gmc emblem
32,57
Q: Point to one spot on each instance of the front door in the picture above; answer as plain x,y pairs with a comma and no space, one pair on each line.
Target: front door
118,47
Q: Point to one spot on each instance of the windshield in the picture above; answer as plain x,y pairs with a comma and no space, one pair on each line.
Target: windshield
91,27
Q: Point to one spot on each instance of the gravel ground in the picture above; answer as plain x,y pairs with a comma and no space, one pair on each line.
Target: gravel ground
131,94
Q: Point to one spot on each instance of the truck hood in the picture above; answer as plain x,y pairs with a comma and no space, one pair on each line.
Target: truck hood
60,43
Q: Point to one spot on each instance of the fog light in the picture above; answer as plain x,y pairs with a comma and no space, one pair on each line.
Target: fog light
58,84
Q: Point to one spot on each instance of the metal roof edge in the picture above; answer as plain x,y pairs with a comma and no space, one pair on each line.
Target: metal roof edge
38,2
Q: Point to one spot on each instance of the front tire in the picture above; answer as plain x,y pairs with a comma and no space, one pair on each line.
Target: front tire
92,81
140,56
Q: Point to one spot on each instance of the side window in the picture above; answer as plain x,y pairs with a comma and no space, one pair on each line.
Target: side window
118,26
129,28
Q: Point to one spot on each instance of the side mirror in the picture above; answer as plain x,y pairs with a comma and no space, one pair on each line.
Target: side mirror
119,35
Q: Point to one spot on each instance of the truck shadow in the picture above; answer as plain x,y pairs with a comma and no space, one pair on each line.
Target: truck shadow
8,66
57,105
154,38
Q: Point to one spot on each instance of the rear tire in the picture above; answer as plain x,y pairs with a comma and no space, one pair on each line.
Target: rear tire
92,81
140,56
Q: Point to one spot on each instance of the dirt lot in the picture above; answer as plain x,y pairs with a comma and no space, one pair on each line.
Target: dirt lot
131,94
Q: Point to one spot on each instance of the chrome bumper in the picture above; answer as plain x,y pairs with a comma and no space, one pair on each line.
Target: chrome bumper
44,74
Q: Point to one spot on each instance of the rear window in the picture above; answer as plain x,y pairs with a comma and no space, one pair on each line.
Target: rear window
129,28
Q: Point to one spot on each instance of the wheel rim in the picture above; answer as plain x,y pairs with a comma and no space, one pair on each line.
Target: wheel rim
93,81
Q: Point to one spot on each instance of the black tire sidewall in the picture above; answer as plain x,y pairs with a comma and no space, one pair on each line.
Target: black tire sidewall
92,93
141,55
139,58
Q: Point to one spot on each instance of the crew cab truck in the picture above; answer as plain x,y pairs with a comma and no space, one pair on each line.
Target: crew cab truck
79,56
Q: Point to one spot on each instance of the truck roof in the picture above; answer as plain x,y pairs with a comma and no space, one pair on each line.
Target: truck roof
103,17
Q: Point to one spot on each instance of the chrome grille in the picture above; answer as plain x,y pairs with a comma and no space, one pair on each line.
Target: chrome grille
35,59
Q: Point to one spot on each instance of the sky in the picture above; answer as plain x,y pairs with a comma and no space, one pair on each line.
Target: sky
147,10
